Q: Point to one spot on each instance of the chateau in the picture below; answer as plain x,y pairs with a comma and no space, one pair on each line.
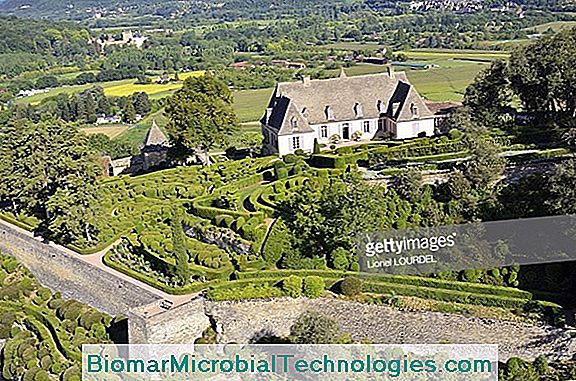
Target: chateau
345,108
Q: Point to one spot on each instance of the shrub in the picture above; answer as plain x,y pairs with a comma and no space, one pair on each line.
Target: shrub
278,243
455,134
280,170
351,286
300,152
345,150
317,148
339,259
313,286
313,328
290,158
292,286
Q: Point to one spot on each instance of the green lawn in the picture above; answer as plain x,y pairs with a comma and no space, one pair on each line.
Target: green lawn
251,104
456,70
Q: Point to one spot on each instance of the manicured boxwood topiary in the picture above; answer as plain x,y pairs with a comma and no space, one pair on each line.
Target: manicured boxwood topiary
351,286
313,286
292,286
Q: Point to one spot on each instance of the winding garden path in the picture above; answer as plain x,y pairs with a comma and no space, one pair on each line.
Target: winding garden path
40,256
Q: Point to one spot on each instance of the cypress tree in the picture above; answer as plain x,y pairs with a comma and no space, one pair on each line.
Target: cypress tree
179,247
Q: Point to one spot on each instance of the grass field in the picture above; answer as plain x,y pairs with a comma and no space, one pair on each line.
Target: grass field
110,131
251,104
116,88
134,135
556,26
456,70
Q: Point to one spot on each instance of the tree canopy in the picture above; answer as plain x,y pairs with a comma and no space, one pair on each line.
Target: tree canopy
200,115
48,171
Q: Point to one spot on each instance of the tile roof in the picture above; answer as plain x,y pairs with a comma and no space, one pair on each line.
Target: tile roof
155,137
348,98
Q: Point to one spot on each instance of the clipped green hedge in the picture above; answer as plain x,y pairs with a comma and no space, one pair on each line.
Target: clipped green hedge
245,289
443,295
191,288
211,213
407,280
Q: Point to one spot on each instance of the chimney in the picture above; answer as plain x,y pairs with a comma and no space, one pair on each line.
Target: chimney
268,115
306,80
390,71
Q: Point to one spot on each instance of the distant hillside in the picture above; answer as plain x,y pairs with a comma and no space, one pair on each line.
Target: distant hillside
195,9
37,44
230,10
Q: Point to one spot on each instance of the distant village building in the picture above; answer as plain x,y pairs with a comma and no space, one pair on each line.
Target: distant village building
108,119
128,38
360,108
153,154
289,64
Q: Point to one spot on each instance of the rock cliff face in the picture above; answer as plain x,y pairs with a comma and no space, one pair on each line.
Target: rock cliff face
249,321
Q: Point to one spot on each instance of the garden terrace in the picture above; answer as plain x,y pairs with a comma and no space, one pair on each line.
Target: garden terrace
272,283
414,150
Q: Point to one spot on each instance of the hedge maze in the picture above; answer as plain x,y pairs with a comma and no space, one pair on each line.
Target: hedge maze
234,236
43,332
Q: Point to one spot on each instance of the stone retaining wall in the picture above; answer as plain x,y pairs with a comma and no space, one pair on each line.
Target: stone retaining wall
250,320
179,325
61,271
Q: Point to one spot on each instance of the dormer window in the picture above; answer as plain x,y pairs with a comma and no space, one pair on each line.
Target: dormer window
294,123
359,110
414,110
305,112
329,113
381,107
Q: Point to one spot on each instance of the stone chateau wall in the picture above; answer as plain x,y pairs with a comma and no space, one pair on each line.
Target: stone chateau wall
63,272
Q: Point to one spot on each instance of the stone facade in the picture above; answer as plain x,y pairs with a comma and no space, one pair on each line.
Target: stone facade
179,325
250,320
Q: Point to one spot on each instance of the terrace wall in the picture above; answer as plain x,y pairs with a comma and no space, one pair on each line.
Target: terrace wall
61,271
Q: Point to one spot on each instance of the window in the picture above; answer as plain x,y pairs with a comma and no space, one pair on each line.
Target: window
366,125
324,131
296,142
382,124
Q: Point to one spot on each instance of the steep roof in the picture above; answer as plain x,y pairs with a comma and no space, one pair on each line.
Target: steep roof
347,98
155,137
